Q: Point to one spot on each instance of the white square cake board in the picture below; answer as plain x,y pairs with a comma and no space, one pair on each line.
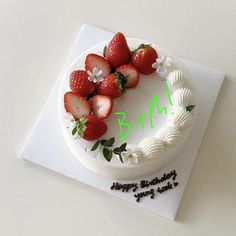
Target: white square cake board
47,134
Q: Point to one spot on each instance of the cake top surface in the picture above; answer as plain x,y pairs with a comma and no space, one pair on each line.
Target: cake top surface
146,119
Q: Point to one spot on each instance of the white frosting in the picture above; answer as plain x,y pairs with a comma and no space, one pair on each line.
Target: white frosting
70,121
152,147
182,97
176,79
169,135
140,159
181,118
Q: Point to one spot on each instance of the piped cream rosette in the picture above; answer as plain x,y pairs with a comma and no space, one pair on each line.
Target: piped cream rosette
178,121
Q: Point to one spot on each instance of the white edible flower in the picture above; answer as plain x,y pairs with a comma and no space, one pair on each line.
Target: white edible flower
162,66
132,155
127,153
96,75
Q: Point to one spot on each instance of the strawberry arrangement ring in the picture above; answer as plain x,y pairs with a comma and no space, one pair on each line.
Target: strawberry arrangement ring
108,80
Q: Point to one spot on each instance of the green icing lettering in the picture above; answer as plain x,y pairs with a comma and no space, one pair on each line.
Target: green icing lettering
155,103
122,125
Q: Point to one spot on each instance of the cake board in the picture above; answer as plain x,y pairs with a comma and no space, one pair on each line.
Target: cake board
47,134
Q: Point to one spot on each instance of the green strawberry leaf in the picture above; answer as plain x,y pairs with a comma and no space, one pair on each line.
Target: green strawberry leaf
122,81
189,108
104,51
95,146
141,46
109,142
107,154
74,130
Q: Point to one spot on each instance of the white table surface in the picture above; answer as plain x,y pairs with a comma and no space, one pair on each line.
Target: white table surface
35,37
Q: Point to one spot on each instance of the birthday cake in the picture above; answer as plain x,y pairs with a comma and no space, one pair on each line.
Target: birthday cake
127,107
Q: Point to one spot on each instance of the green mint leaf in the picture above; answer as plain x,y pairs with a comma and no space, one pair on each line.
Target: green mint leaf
121,158
104,51
95,146
74,130
103,141
116,150
189,108
110,155
109,142
123,147
107,154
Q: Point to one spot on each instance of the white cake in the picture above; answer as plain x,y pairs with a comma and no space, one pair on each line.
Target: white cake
149,148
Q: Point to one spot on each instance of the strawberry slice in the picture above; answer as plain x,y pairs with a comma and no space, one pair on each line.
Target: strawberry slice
131,74
94,60
102,106
76,105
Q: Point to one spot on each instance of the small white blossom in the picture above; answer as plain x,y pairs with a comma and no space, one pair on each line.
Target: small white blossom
96,75
70,121
127,153
132,155
162,66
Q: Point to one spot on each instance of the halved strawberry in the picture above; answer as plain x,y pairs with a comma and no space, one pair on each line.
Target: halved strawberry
131,74
102,106
76,105
94,60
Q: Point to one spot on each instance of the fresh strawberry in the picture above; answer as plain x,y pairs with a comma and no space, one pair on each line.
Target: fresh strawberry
80,84
113,85
94,60
131,75
76,105
102,106
143,58
117,52
90,127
